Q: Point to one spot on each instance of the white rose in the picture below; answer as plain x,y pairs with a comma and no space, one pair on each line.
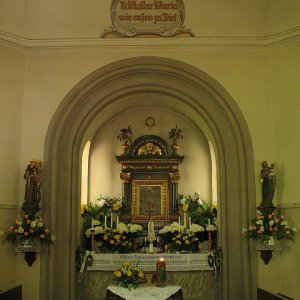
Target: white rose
271,222
259,222
183,200
98,229
101,202
33,224
196,228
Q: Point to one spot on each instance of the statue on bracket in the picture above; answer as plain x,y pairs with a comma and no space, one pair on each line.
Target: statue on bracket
33,185
268,181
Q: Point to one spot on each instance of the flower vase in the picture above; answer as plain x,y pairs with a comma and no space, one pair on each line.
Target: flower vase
30,248
270,241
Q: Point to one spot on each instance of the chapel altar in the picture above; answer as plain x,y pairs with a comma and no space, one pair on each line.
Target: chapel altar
151,221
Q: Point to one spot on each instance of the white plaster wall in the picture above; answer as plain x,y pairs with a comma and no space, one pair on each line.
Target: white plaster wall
11,97
104,169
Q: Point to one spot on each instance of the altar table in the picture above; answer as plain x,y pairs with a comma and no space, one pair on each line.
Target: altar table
190,271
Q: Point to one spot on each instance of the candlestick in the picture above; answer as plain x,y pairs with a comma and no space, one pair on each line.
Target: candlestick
209,242
161,272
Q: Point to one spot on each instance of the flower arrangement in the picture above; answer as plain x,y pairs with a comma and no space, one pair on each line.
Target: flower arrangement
29,228
270,225
178,238
129,276
101,207
84,259
199,210
121,240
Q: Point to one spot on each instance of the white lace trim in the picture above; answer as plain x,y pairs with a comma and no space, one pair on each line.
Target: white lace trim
145,293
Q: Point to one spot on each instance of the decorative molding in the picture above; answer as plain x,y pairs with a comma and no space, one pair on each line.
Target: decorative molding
9,206
94,44
289,205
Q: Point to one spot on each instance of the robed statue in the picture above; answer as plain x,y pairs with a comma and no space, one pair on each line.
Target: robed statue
33,177
268,181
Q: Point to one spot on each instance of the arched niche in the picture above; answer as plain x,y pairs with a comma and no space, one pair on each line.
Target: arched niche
144,82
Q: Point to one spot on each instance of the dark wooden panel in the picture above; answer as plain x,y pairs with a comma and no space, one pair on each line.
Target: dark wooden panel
264,295
12,294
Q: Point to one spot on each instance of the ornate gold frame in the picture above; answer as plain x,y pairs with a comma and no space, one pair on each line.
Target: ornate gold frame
159,192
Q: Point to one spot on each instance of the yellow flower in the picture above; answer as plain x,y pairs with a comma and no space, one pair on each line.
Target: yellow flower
116,206
117,237
141,274
127,264
105,237
118,274
185,207
112,242
187,242
83,207
129,273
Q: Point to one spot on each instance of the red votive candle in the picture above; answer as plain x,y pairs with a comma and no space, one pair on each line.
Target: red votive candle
161,272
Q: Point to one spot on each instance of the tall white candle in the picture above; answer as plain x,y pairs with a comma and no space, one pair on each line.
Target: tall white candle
184,219
190,222
208,221
92,223
117,222
151,248
105,222
179,220
111,220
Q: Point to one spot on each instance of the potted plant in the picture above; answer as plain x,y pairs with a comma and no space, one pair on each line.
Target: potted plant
129,276
125,137
175,134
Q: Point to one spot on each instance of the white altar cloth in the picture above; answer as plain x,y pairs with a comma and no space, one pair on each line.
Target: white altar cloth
174,262
145,293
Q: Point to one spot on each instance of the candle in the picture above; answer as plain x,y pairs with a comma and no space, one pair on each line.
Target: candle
151,248
111,220
184,219
105,222
92,224
161,272
179,221
117,222
190,222
208,221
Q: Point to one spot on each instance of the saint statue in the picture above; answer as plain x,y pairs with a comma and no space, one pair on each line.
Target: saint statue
33,177
268,181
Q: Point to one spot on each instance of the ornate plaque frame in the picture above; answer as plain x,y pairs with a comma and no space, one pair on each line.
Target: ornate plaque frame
162,18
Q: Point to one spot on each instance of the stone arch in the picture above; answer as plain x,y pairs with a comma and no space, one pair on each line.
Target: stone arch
138,82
